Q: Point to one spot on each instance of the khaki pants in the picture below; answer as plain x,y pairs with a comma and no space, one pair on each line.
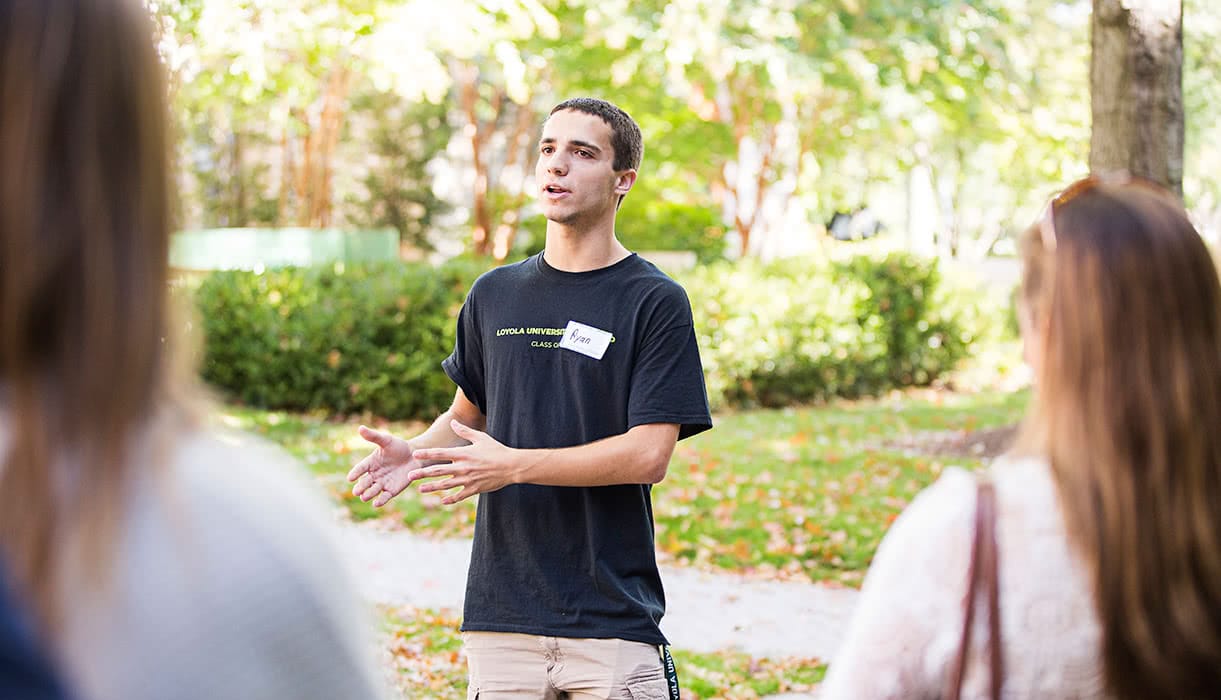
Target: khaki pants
506,666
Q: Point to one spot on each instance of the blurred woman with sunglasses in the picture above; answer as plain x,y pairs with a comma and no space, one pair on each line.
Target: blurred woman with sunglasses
1108,509
145,548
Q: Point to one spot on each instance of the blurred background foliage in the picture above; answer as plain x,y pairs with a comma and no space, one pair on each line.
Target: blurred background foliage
948,122
368,339
777,134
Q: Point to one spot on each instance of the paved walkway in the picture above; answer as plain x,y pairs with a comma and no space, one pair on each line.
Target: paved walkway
705,612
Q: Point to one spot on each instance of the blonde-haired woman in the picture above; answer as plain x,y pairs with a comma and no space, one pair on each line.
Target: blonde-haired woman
156,560
1108,511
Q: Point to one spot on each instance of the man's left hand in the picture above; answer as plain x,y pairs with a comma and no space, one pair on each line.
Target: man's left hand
482,466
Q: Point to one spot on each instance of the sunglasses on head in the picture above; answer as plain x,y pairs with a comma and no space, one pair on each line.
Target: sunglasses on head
1047,224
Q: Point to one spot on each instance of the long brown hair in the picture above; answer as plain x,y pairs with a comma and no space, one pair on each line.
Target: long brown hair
1127,407
84,235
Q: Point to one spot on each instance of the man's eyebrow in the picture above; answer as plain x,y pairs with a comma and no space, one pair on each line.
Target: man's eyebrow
586,144
576,142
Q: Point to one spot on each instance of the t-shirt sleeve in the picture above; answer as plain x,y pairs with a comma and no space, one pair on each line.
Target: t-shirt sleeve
465,364
668,378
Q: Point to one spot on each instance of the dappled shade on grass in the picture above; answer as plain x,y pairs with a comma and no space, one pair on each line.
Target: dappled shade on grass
808,493
799,493
802,493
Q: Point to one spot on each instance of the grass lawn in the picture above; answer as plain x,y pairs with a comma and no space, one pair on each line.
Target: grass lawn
801,493
425,652
809,492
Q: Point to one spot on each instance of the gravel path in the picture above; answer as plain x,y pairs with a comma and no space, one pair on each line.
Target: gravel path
705,611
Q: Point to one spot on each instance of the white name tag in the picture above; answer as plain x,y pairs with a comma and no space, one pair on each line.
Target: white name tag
586,340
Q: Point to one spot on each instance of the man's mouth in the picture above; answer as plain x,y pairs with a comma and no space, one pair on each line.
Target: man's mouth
554,189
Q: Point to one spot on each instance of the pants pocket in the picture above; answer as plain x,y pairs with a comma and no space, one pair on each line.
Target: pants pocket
649,685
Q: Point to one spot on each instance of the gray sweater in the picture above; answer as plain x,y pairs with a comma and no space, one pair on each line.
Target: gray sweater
228,584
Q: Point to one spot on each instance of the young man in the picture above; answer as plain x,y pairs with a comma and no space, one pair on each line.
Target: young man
577,370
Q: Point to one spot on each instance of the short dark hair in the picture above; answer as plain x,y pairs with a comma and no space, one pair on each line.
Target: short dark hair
625,133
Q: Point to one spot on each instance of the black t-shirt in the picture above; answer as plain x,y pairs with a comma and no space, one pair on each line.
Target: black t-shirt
573,561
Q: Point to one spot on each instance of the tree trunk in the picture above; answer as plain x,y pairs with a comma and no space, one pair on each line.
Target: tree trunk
330,126
239,182
762,184
311,178
306,167
1136,89
735,107
468,79
286,177
517,164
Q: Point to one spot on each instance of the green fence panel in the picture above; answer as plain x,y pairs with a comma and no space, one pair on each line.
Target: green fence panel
254,248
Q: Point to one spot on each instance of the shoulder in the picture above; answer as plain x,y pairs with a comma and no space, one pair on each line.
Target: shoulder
235,549
1025,489
502,277
931,540
242,504
655,287
257,484
257,511
936,519
946,509
901,626
647,271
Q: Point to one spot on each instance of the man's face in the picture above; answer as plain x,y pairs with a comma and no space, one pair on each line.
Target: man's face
575,172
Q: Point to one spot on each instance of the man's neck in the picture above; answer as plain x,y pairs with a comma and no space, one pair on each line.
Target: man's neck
574,249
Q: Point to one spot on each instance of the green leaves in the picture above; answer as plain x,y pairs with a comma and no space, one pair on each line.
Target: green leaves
806,330
369,339
765,112
1202,105
344,340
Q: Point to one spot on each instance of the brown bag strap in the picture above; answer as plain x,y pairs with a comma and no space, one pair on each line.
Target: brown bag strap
983,570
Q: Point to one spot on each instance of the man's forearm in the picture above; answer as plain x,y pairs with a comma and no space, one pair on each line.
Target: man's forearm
441,432
639,456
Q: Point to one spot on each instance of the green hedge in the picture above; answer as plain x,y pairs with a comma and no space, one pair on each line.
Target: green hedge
658,225
797,330
344,340
666,225
370,339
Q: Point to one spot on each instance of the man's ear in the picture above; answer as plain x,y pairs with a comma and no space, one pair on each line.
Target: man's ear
624,182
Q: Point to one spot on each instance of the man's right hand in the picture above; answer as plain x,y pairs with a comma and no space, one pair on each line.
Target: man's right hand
384,473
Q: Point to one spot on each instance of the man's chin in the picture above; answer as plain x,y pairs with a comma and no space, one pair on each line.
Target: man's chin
561,217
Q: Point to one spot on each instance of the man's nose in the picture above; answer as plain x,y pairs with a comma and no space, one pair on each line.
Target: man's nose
557,165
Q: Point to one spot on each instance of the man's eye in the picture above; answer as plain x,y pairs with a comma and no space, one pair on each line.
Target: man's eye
547,150
585,154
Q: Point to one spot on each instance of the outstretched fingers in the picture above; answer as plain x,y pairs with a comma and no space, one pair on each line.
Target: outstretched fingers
373,490
438,454
466,492
376,437
390,486
447,469
361,468
442,484
454,482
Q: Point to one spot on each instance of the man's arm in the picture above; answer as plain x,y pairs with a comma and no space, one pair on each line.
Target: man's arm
639,456
388,469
